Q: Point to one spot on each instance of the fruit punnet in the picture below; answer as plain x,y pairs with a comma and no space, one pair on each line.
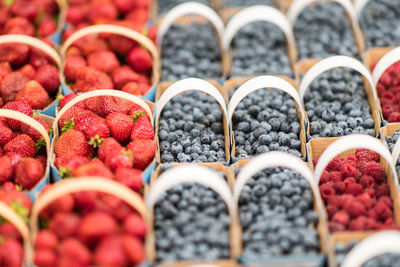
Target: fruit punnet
277,215
108,61
324,30
240,3
389,93
23,154
356,193
379,21
191,51
27,74
105,136
191,129
165,6
391,141
89,228
260,48
37,18
85,13
336,104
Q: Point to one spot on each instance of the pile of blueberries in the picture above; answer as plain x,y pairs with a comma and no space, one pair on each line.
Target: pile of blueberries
260,48
391,141
191,51
384,260
191,129
323,30
277,216
336,104
238,3
166,5
380,22
266,120
191,222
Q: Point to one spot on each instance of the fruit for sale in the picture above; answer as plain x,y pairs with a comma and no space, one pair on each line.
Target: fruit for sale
238,3
166,5
324,30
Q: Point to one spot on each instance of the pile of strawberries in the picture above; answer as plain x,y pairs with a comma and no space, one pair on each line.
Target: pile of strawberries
27,74
389,93
23,158
11,247
105,136
89,229
356,194
29,17
108,61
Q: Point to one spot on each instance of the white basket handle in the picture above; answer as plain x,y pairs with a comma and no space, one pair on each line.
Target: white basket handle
190,173
331,63
258,13
384,63
188,9
349,142
188,85
266,81
359,6
371,247
275,159
396,151
104,92
33,42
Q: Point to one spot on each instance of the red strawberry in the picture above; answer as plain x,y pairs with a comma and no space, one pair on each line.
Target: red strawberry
134,225
121,44
124,6
73,112
75,15
39,58
5,68
120,125
104,61
119,159
132,88
107,147
102,13
28,71
81,121
140,60
18,199
6,169
72,65
11,253
15,54
22,144
45,257
73,143
64,224
21,107
19,25
47,76
135,249
66,165
138,15
123,75
25,128
28,172
5,134
64,204
96,131
25,9
95,226
104,105
47,26
34,95
143,152
46,239
142,129
110,252
131,178
64,100
85,201
88,79
8,230
74,250
93,168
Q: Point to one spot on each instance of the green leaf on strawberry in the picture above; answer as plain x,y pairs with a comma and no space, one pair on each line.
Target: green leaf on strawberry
65,172
19,208
40,143
137,116
8,2
68,126
96,141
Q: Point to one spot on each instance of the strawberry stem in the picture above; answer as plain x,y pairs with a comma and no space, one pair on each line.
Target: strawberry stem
68,126
137,116
40,143
96,141
19,208
65,172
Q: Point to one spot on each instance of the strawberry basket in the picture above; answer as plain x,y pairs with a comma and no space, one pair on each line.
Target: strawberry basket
30,72
88,130
88,66
103,224
18,162
252,175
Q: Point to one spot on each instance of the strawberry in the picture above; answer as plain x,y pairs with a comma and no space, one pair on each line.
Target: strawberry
34,95
119,159
46,239
5,68
18,201
75,15
143,152
142,129
39,58
11,253
110,252
47,76
131,178
95,226
104,105
85,201
72,65
93,168
65,99
21,107
66,165
138,15
8,230
28,71
123,75
124,6
73,112
15,54
120,125
96,131
35,135
28,172
107,147
5,134
47,26
134,249
64,204
73,143
25,9
81,121
140,60
144,88
6,169
42,159
102,13
45,257
121,44
22,144
74,250
64,224
104,61
88,79
131,88
135,226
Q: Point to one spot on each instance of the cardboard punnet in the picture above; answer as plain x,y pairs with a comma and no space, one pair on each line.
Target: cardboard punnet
44,47
190,173
147,106
388,130
280,159
166,91
118,30
254,14
187,14
71,186
297,6
327,149
249,85
343,62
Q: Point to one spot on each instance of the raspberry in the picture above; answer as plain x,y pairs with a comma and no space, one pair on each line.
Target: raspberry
382,190
367,181
370,192
387,201
365,199
362,166
358,224
367,155
335,227
375,170
336,176
349,180
325,177
354,189
348,170
335,164
389,224
387,109
331,210
341,217
355,209
394,117
382,211
326,190
352,160
358,174
339,187
340,201
371,224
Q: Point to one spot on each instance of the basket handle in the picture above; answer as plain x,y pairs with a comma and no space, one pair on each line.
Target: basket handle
384,63
359,6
